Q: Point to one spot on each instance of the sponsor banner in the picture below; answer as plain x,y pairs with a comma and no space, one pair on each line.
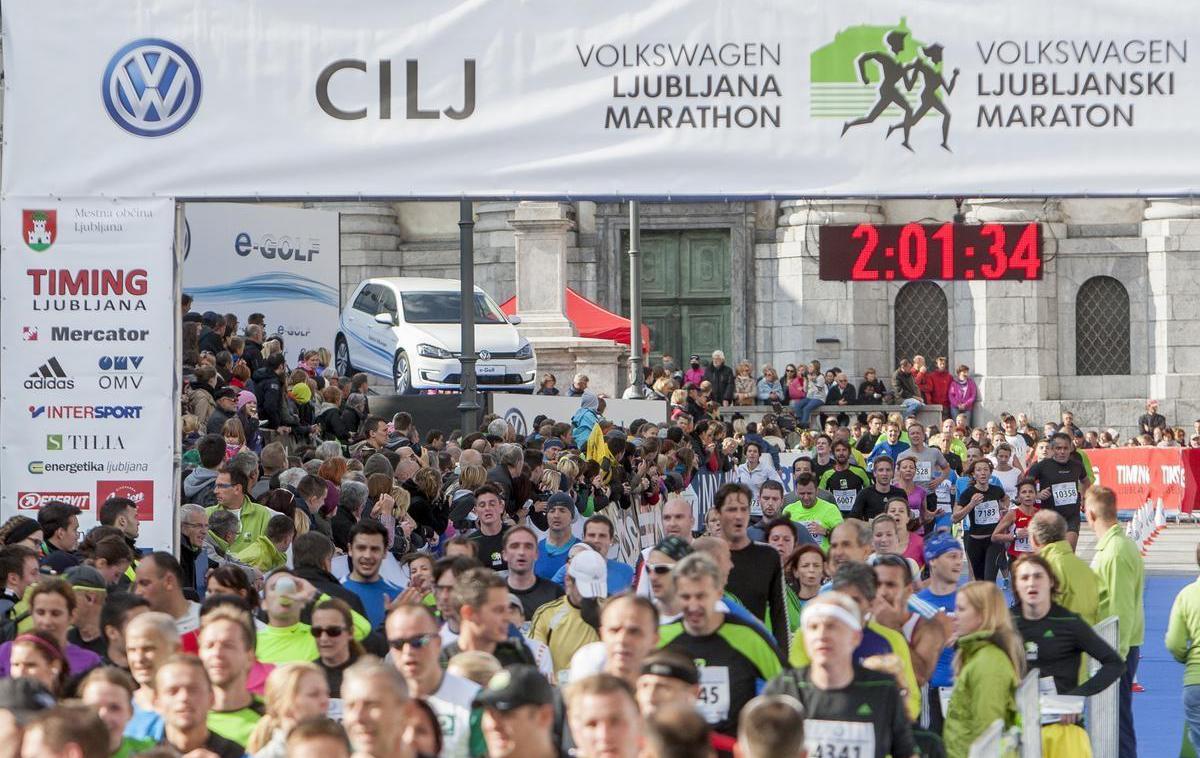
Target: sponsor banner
88,384
1138,474
520,410
281,262
678,98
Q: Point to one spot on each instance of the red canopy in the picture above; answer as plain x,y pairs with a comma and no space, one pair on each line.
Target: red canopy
591,320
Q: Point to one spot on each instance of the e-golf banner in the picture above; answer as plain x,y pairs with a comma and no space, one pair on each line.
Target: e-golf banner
281,262
88,323
540,98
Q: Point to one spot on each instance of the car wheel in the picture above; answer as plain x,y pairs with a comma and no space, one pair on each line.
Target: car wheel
402,375
341,357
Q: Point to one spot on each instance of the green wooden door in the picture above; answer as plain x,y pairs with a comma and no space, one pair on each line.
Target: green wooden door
685,291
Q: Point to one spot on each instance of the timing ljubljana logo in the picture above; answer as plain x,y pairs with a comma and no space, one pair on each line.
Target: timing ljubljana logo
151,87
39,229
872,72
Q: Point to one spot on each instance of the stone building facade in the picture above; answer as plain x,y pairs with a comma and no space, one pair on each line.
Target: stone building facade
1108,325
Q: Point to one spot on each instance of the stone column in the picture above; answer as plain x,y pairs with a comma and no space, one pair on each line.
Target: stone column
1007,331
543,233
797,313
1172,232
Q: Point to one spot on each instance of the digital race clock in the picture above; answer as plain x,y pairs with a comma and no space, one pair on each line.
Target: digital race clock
895,252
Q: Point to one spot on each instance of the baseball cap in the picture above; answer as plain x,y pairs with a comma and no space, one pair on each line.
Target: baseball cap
674,547
694,358
590,572
561,500
515,602
513,687
226,392
24,698
85,577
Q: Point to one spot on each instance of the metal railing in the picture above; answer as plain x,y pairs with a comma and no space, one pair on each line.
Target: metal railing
1029,707
1103,709
990,743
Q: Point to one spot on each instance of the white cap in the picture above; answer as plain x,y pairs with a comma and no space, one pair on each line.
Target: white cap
589,659
590,572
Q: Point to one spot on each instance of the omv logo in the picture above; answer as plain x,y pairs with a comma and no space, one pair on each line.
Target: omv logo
151,87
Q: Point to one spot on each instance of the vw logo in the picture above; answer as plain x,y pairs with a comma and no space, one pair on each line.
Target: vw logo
485,355
151,87
516,419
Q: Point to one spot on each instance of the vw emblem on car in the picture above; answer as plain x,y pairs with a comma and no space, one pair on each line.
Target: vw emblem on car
485,355
151,87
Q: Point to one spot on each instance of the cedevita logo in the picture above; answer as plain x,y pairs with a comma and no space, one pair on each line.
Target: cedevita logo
872,72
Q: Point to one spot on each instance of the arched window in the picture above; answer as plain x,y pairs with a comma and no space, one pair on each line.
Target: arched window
922,322
1102,327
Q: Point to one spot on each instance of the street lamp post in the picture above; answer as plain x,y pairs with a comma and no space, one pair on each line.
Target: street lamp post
468,406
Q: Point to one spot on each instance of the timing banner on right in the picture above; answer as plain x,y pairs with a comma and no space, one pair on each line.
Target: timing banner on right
1167,475
621,99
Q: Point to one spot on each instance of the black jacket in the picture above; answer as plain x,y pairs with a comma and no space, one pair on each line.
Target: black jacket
868,390
252,355
722,382
836,393
425,512
210,341
500,476
216,420
326,583
272,400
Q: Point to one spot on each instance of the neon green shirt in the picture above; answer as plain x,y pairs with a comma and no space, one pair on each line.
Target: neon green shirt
823,512
1122,573
1183,631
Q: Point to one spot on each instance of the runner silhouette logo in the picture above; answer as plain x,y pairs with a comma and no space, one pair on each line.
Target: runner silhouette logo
881,75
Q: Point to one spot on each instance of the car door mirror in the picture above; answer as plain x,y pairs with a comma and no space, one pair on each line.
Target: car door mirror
385,318
514,320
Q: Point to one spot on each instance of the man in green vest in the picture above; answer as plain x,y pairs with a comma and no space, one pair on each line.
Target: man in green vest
232,488
1077,588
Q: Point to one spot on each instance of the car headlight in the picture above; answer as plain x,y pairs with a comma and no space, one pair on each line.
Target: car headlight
526,352
433,351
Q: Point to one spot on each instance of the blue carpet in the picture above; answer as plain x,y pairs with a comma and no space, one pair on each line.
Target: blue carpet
1158,712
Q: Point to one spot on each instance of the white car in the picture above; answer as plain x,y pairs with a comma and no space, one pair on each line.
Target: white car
408,330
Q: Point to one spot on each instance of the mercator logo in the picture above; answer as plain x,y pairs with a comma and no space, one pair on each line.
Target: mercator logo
872,72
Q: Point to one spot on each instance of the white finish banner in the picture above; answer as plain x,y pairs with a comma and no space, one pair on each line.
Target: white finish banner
89,396
535,98
281,262
520,410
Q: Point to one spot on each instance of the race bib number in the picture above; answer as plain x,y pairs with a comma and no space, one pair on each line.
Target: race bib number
924,471
987,512
755,508
335,709
714,693
944,694
844,499
1022,545
839,739
1065,494
448,723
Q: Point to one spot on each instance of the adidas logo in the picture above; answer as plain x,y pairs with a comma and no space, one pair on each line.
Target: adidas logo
1048,635
863,710
49,376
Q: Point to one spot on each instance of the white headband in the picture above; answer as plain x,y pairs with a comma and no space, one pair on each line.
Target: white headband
833,611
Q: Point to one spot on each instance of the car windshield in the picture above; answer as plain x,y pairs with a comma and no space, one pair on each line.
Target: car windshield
446,308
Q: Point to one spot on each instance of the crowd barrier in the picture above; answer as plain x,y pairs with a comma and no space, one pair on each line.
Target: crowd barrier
1103,708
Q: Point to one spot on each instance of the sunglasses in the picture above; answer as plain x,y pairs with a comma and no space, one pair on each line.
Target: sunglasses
659,568
331,631
417,643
